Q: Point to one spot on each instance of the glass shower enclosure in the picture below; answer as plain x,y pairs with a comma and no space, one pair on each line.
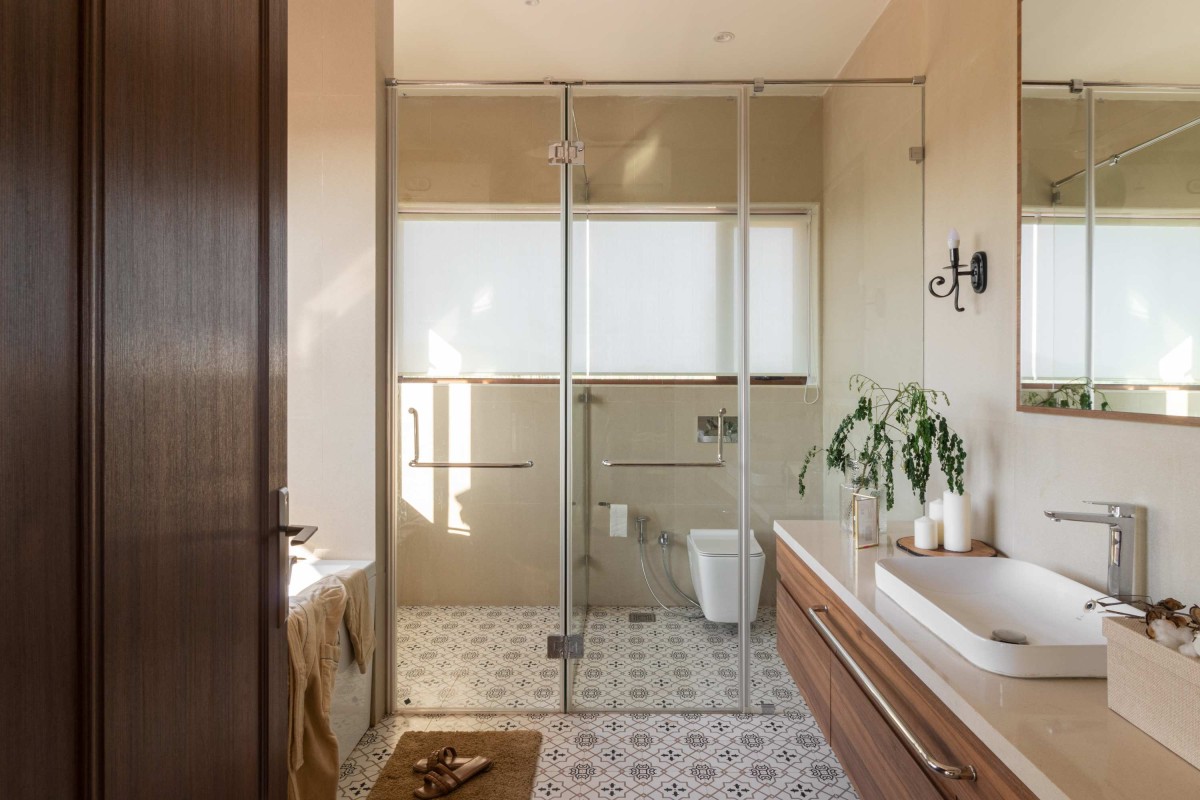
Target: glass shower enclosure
596,290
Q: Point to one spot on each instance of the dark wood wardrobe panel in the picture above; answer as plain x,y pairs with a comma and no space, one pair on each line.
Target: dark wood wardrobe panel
186,269
39,436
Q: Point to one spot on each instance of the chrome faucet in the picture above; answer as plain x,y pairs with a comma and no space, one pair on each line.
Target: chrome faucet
1122,541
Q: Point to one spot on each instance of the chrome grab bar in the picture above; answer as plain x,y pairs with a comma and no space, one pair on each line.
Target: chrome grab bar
417,462
963,773
720,462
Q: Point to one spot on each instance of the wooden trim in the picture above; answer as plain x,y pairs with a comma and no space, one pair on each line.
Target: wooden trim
91,395
272,389
719,380
1122,416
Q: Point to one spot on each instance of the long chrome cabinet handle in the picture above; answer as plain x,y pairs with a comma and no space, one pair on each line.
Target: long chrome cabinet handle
963,773
417,462
720,462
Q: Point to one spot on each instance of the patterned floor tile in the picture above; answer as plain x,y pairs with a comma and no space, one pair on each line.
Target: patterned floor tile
682,757
492,657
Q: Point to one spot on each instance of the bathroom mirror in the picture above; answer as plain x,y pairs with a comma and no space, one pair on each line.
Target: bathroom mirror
1110,209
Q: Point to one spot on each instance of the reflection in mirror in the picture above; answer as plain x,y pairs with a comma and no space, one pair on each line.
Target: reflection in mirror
1110,219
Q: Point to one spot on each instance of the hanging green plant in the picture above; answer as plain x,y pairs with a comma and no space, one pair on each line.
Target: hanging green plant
903,414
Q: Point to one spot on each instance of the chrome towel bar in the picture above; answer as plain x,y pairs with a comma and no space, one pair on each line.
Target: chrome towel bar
720,462
417,462
963,773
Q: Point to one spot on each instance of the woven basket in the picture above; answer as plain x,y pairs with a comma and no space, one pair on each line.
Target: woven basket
1135,662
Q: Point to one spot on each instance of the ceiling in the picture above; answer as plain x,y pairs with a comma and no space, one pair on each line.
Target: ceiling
628,39
1148,41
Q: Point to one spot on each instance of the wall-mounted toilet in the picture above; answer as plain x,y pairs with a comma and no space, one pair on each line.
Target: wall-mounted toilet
712,556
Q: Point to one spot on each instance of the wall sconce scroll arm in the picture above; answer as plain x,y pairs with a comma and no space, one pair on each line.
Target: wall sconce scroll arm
977,271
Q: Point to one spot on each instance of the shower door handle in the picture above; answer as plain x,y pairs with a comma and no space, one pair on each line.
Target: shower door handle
417,462
720,462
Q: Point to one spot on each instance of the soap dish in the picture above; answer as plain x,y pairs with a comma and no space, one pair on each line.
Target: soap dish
978,549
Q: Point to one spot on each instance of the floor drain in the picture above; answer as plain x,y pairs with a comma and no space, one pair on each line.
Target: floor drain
641,616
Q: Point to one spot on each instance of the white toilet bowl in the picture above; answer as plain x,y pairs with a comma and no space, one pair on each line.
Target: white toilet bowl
712,556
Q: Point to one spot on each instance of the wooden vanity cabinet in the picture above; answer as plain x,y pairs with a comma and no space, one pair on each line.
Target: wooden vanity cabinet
804,651
875,758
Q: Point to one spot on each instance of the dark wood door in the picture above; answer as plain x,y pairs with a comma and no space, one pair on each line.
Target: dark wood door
41,538
143,392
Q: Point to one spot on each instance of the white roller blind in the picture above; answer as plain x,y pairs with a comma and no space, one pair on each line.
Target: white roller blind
1146,282
653,294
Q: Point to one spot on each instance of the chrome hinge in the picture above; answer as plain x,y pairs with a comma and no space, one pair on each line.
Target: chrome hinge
559,646
565,153
916,154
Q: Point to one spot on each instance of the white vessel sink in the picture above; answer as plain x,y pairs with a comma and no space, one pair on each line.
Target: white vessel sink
965,600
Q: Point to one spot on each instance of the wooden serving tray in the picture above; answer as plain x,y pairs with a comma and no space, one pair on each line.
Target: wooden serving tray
978,549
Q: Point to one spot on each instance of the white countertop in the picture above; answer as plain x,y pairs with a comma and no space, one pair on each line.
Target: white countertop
1056,734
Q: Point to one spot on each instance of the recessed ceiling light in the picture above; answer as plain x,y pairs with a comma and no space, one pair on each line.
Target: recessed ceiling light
532,2
723,37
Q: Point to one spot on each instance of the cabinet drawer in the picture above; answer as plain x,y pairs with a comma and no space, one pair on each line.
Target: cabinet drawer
878,764
947,736
799,579
805,654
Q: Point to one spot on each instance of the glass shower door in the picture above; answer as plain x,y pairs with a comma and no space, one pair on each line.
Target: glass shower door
653,369
479,354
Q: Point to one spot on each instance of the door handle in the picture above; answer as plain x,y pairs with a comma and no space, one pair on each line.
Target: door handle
300,533
292,534
297,534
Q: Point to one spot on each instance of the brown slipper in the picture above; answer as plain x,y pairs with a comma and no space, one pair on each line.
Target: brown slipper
446,755
441,780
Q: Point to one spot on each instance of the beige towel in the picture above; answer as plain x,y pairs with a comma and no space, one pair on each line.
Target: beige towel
359,620
313,650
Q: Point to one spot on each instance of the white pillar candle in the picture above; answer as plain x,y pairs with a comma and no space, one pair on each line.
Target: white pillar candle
937,514
957,535
925,533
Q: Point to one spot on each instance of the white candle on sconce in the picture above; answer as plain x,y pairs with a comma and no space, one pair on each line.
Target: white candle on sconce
938,515
957,523
925,535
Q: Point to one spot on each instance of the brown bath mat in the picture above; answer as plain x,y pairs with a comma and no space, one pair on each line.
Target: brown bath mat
515,754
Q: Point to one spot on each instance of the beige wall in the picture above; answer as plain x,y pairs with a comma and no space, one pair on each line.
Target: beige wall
333,261
1020,463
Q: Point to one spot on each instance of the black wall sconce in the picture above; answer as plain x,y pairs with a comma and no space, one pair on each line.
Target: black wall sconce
977,271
